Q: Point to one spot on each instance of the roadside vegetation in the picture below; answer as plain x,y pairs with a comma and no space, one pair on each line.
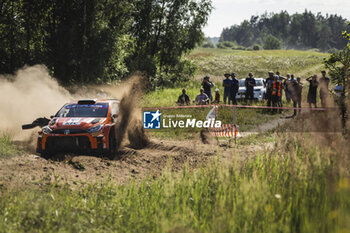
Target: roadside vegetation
7,148
297,187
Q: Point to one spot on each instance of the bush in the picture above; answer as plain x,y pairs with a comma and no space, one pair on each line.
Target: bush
239,47
256,47
272,42
226,44
220,45
229,44
208,44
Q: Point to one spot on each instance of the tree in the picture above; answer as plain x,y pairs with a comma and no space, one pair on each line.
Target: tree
272,42
164,30
77,40
102,40
324,41
305,30
338,64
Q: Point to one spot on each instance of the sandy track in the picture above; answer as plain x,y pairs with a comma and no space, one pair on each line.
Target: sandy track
31,170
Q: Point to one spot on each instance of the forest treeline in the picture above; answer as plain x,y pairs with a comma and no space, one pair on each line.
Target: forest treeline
102,40
299,31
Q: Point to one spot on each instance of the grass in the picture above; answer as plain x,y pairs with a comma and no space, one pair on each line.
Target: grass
7,148
299,188
257,138
220,61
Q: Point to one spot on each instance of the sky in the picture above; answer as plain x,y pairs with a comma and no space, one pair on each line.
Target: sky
229,12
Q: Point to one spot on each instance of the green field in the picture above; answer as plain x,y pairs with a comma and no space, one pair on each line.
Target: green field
219,61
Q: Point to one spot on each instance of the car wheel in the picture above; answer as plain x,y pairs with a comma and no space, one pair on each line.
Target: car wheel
112,144
46,154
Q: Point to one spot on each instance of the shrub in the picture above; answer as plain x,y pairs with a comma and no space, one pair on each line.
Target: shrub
272,42
256,47
220,45
208,44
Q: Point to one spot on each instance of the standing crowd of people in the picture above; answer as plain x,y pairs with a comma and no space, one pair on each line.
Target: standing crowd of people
275,85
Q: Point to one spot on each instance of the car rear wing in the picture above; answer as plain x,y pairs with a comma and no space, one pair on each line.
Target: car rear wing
41,122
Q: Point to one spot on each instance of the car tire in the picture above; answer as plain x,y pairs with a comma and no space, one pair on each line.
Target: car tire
112,144
47,154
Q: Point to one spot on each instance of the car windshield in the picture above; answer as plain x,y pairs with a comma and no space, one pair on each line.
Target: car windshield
84,110
241,82
258,83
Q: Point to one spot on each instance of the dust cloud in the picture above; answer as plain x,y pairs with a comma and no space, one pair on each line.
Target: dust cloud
28,94
129,124
32,93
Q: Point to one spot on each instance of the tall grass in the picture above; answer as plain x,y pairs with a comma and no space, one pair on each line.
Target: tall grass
7,148
297,188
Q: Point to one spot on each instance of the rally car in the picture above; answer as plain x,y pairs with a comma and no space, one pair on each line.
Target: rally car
259,89
80,126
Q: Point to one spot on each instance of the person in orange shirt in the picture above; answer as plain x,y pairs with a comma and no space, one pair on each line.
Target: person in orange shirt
276,93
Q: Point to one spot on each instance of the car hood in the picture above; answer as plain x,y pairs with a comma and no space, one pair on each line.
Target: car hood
75,122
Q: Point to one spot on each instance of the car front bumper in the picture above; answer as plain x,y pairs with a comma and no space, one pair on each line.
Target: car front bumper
257,95
71,142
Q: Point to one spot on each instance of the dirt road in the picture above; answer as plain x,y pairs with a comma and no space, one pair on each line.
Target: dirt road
30,170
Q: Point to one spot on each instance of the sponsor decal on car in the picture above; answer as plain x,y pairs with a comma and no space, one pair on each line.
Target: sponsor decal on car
72,121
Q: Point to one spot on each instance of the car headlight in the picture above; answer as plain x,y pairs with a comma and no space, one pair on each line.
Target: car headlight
95,129
46,130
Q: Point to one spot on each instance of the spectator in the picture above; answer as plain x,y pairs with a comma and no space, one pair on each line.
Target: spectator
324,82
249,85
296,88
312,94
276,93
287,88
217,96
202,98
183,99
282,80
227,83
299,92
268,84
207,85
234,88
